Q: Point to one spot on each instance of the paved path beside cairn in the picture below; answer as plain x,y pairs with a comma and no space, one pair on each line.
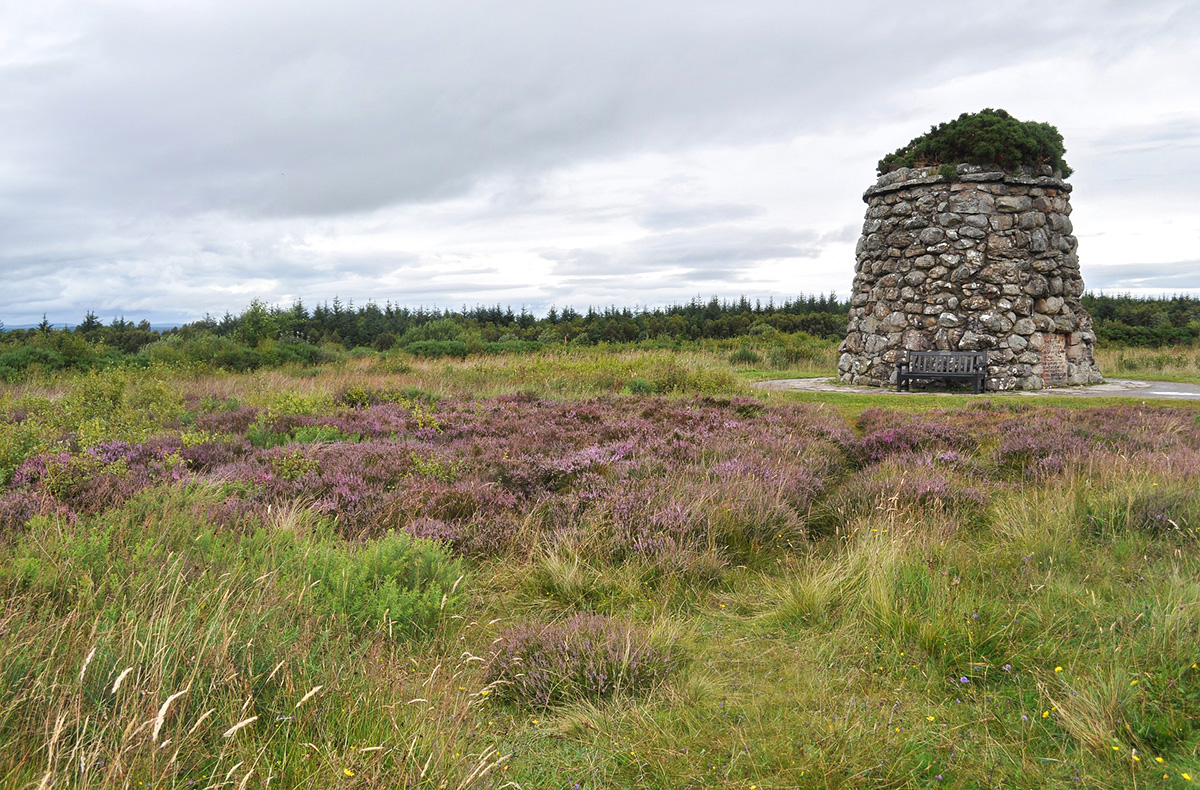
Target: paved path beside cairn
1112,388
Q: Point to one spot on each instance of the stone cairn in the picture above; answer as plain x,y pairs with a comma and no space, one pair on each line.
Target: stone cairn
981,261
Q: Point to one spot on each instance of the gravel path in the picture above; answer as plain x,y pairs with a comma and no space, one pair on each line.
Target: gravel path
1121,388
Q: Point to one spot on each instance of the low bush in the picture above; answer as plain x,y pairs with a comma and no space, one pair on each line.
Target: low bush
15,363
639,386
307,434
437,348
360,396
588,657
397,585
513,347
745,356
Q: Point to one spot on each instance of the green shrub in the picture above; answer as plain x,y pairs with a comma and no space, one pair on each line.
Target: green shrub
397,585
745,356
988,137
262,434
441,329
298,353
293,465
18,440
307,434
359,396
513,347
437,348
795,350
216,351
639,386
16,363
436,467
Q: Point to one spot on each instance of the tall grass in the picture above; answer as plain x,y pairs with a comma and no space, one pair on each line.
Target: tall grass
1175,363
146,648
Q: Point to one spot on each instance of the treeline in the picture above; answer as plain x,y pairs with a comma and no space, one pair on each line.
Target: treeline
384,327
1145,321
265,335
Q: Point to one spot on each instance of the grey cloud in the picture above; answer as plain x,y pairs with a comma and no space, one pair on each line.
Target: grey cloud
846,234
703,251
157,156
1177,133
308,108
1176,276
672,217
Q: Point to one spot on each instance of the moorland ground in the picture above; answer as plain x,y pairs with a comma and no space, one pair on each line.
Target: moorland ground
594,569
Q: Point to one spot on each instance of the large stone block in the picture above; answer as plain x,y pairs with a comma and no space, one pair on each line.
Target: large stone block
1013,204
972,202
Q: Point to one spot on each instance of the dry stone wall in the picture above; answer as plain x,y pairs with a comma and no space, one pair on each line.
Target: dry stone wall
985,260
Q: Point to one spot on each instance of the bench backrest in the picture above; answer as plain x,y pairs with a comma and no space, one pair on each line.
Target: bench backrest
947,361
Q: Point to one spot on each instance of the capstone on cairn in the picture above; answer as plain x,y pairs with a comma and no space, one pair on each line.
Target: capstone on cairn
983,260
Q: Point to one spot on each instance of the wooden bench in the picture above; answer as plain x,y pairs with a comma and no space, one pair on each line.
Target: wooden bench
948,365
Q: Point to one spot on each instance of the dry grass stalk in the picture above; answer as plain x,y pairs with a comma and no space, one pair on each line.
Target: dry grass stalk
48,779
486,765
120,679
86,661
162,713
278,667
308,696
200,720
243,723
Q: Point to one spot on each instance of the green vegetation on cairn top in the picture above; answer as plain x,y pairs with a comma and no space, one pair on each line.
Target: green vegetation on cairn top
988,137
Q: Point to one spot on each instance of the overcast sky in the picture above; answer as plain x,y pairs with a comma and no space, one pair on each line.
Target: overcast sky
164,159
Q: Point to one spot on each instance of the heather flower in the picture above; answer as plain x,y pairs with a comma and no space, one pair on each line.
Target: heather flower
102,476
16,508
